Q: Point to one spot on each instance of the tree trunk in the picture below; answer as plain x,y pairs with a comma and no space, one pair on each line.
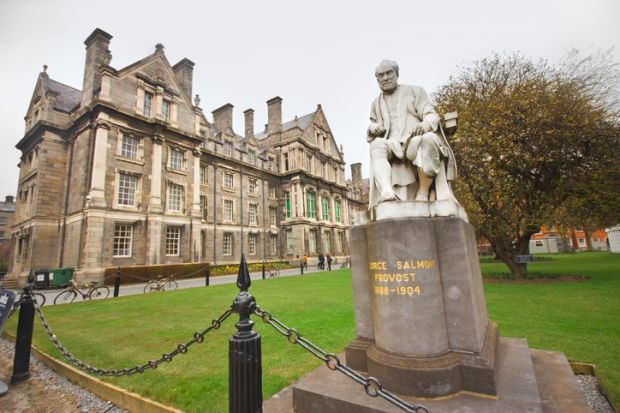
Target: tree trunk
508,254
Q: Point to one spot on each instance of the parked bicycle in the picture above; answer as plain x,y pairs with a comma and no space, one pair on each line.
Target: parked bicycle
274,271
162,283
92,292
38,298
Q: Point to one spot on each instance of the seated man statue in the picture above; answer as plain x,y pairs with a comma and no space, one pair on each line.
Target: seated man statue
407,144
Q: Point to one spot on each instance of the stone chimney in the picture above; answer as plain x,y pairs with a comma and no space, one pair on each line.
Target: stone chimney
274,115
249,123
97,55
183,73
9,199
356,173
222,117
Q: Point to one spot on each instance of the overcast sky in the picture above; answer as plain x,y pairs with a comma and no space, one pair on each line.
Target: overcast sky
311,52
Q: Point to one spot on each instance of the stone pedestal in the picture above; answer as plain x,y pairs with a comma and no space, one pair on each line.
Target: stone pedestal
421,320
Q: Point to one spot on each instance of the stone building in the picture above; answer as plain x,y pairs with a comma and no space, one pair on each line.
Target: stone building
129,171
7,213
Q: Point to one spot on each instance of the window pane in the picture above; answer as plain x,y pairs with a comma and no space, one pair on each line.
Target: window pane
228,210
287,200
175,197
148,100
228,240
122,240
273,245
228,181
311,210
325,208
252,214
203,206
165,110
127,189
176,159
252,244
252,186
129,147
173,239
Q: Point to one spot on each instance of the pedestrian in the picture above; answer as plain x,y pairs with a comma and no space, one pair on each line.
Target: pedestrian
321,265
329,262
304,260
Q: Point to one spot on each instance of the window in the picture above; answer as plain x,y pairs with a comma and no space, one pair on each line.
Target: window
595,239
252,214
582,242
285,161
203,206
252,186
176,159
252,244
539,243
228,210
123,234
325,208
165,110
273,244
335,174
272,191
273,216
290,242
327,244
173,240
310,205
312,240
127,185
341,242
251,157
2,220
228,243
148,101
228,149
129,147
175,197
203,174
337,210
309,163
1,234
270,164
324,172
287,203
228,180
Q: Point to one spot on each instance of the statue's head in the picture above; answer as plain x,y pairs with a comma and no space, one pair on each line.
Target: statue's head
387,75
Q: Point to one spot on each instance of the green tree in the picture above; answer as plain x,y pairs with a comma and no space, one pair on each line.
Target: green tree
530,134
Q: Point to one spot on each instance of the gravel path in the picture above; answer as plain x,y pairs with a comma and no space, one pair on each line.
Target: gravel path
45,391
590,387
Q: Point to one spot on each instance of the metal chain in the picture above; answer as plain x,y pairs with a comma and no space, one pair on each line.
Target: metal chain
152,364
371,385
14,308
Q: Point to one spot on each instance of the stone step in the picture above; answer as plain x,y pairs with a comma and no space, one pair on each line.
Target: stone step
529,381
10,282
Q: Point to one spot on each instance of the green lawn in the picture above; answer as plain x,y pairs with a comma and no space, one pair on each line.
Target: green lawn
582,319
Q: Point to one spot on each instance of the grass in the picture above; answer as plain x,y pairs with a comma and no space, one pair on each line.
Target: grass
582,319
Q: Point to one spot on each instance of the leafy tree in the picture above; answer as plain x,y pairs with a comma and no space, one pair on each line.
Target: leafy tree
530,136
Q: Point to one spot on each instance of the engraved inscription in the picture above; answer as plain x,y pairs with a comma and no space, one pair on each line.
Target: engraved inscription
397,279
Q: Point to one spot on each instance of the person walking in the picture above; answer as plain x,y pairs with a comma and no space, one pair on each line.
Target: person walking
329,262
321,265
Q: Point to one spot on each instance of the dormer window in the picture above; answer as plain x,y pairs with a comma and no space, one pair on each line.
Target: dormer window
228,149
148,103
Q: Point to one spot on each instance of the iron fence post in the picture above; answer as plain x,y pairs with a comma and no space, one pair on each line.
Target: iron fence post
207,275
244,352
23,342
263,270
302,268
117,282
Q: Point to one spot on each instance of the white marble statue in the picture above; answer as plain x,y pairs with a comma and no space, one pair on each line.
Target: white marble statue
409,154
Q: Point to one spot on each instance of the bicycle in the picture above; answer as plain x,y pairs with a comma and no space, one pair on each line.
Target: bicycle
39,300
274,271
161,284
71,292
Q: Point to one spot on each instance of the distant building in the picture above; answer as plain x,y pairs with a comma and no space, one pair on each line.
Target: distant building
7,214
129,171
613,238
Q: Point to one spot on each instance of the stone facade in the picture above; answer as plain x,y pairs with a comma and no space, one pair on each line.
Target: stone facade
7,214
129,171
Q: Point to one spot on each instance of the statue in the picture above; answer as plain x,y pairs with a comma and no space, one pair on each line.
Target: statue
407,144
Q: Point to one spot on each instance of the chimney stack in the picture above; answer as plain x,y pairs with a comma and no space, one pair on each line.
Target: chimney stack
222,117
274,115
249,123
9,199
356,173
97,55
183,73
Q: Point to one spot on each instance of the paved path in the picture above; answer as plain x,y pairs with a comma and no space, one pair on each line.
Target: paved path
133,289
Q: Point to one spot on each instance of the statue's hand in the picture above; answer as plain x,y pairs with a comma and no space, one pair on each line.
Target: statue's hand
376,130
421,128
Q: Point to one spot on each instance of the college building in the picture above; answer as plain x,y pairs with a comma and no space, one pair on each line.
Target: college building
129,171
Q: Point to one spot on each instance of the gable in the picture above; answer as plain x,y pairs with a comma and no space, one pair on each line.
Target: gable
319,134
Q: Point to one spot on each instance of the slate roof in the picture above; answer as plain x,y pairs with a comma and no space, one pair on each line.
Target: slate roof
302,122
68,97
